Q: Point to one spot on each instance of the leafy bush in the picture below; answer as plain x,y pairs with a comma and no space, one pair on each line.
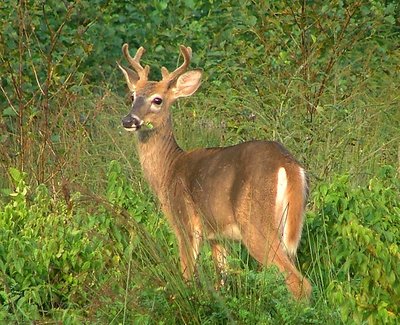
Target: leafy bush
51,258
354,235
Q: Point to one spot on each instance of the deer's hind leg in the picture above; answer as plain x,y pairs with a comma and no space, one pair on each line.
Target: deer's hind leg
269,251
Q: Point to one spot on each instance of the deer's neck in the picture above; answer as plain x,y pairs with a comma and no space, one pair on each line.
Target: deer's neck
158,152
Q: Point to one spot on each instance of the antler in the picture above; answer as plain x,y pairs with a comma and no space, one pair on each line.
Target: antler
142,72
187,55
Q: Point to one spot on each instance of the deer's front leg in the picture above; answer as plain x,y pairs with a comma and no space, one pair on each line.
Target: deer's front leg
189,247
219,254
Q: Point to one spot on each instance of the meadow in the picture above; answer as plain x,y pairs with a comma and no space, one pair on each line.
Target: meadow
83,239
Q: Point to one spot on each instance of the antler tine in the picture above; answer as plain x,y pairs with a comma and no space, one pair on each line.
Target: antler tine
135,62
187,55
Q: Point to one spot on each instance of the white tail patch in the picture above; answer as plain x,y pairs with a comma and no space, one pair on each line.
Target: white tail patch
304,188
304,184
281,202
293,227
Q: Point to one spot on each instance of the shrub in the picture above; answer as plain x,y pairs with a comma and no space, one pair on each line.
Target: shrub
354,235
51,258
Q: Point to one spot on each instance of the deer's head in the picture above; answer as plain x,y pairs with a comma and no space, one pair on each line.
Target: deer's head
151,99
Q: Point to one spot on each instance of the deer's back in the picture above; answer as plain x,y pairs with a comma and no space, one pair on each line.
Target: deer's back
223,183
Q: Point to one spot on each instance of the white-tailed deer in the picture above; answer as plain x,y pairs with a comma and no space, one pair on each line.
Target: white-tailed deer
254,192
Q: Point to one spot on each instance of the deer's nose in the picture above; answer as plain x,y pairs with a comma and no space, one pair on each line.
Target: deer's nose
129,122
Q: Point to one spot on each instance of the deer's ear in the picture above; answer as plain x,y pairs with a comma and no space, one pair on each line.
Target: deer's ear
130,76
187,83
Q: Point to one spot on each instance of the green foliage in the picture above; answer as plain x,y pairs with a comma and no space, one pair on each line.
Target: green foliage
249,297
274,70
321,77
355,236
122,194
51,258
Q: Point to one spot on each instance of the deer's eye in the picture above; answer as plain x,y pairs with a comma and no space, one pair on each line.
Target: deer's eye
157,101
132,97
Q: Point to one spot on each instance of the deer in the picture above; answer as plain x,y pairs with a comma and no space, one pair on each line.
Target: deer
253,192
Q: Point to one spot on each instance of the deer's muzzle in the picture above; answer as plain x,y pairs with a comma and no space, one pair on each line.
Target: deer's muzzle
131,122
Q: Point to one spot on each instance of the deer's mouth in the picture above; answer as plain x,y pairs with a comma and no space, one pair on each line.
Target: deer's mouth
132,128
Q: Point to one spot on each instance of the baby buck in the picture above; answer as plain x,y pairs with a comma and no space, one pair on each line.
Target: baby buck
254,192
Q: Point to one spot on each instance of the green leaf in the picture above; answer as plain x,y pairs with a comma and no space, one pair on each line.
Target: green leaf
314,38
9,112
190,4
55,138
252,21
323,189
85,266
15,174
